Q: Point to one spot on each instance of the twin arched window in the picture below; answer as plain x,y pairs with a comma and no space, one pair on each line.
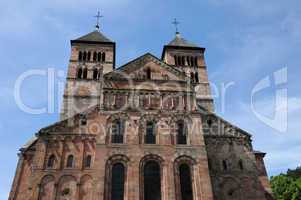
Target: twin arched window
70,161
225,164
194,77
82,73
86,56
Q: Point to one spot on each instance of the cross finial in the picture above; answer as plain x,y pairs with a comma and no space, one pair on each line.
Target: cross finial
176,23
98,16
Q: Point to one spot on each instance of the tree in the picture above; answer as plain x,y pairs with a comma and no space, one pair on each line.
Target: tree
287,186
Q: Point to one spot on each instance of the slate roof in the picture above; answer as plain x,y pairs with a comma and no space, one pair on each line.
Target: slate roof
94,36
178,41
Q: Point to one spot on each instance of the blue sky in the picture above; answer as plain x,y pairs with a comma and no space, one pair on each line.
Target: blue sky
245,42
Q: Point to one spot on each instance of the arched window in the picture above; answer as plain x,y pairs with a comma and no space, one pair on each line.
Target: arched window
150,135
176,60
192,77
225,165
79,72
152,181
196,77
148,73
185,182
50,162
181,132
103,57
85,56
95,74
94,56
183,60
117,131
70,161
241,165
85,73
118,178
88,161
80,56
89,56
99,56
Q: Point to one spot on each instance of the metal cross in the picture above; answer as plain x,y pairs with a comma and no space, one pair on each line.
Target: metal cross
176,23
98,16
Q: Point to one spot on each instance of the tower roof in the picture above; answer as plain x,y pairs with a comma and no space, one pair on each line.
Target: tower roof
92,37
178,41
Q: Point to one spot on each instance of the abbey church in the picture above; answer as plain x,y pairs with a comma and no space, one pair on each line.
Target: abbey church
146,130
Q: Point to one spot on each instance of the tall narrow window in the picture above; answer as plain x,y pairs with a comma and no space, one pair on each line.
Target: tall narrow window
118,178
148,73
181,132
85,56
152,181
70,161
150,136
117,131
179,60
88,161
196,61
241,165
94,56
95,74
196,77
191,61
176,60
80,56
99,56
103,57
50,162
188,61
192,77
185,182
225,165
79,72
85,73
89,56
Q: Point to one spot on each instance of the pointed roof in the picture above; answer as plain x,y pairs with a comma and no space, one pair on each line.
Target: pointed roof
178,41
92,37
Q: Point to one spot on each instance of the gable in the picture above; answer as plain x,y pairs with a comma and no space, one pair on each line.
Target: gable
138,70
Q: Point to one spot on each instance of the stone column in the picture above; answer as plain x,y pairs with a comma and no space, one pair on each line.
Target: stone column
133,180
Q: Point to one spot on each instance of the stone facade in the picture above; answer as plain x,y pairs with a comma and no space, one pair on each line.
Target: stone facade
76,158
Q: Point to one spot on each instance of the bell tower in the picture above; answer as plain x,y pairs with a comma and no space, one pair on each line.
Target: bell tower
92,56
189,58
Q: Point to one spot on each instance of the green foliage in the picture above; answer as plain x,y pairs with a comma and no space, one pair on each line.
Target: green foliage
287,186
